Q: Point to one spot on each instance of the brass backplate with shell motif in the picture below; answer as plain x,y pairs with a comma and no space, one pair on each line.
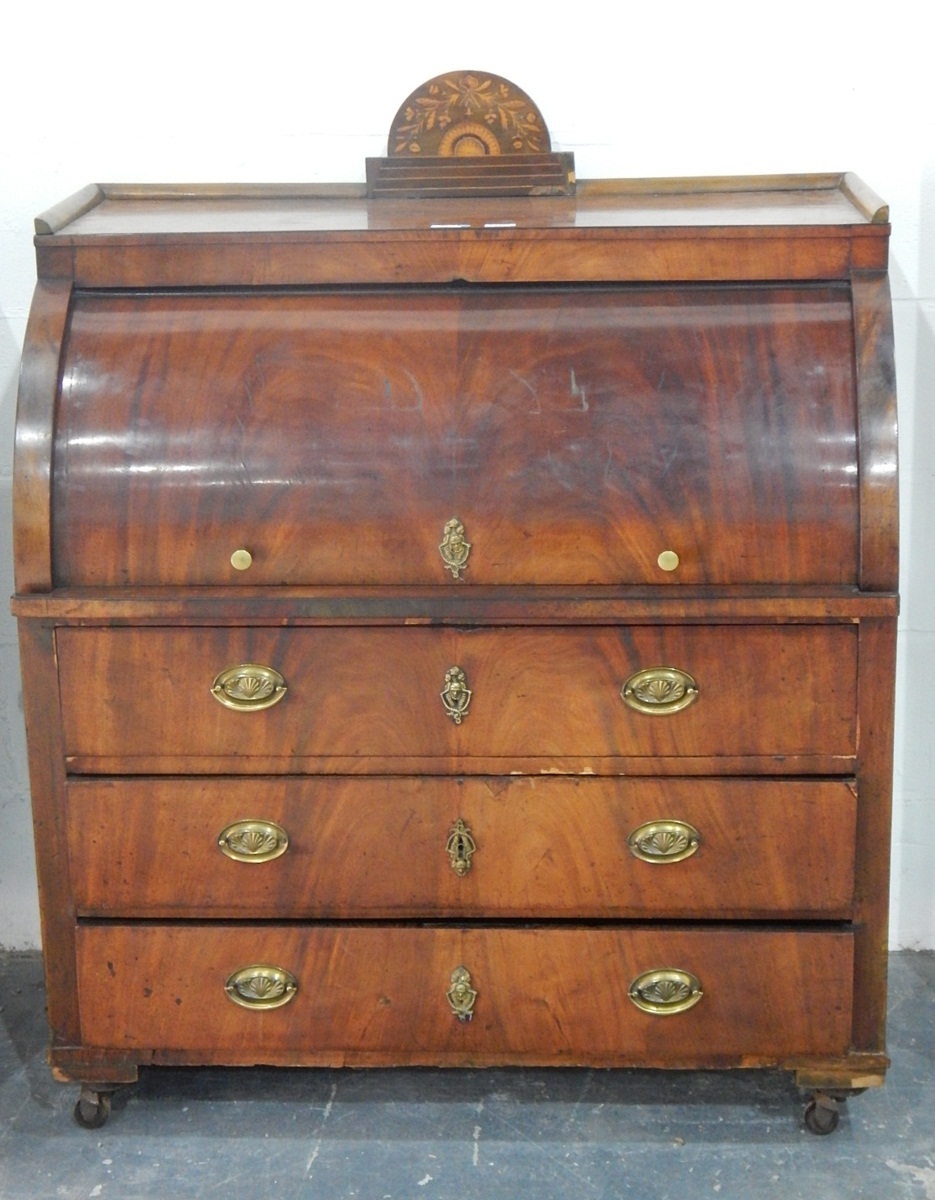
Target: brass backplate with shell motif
253,841
261,986
248,687
665,991
664,841
659,691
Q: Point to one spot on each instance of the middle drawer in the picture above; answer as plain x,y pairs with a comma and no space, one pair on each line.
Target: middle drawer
439,700
552,846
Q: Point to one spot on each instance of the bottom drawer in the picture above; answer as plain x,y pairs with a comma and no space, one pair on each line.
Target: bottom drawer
393,994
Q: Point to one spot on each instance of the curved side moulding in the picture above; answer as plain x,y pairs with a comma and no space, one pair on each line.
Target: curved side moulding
32,461
876,434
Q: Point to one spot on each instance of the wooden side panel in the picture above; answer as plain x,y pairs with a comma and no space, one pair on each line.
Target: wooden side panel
877,651
376,693
548,996
46,781
374,847
577,435
32,464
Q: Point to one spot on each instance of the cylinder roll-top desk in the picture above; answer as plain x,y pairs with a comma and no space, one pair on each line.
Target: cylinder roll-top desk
460,630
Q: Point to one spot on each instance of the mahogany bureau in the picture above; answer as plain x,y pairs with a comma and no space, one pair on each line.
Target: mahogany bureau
461,632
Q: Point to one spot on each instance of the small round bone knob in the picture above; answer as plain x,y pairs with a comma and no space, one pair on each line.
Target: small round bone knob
241,560
668,560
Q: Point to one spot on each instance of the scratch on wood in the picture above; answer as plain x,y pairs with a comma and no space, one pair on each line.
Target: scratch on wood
579,393
610,458
532,391
417,407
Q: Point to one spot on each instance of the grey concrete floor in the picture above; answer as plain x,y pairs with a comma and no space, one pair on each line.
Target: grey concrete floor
464,1135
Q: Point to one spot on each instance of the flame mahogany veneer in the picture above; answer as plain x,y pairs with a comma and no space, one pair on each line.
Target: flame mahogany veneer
287,460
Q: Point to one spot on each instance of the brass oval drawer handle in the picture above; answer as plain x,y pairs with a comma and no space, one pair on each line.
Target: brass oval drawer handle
248,687
664,841
261,986
253,841
461,995
659,691
461,848
665,991
454,547
456,695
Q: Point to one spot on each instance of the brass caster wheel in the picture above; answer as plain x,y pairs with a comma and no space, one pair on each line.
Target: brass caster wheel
92,1109
822,1114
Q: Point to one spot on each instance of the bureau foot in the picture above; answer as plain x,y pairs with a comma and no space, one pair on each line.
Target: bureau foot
93,1107
823,1111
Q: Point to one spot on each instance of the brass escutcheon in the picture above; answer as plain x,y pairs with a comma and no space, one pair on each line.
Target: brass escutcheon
454,548
659,691
248,687
665,992
253,841
261,986
456,695
664,841
461,995
461,848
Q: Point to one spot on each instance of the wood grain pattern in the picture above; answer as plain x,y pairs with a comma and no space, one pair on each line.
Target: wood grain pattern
576,436
548,996
479,256
376,847
375,693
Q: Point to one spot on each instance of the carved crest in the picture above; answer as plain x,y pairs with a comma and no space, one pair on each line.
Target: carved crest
469,133
468,114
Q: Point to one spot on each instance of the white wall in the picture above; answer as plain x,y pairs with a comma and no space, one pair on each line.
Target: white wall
282,91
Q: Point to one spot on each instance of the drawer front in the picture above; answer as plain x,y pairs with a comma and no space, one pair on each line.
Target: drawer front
576,435
393,994
386,695
530,847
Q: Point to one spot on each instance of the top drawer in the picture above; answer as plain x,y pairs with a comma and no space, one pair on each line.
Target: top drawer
576,434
